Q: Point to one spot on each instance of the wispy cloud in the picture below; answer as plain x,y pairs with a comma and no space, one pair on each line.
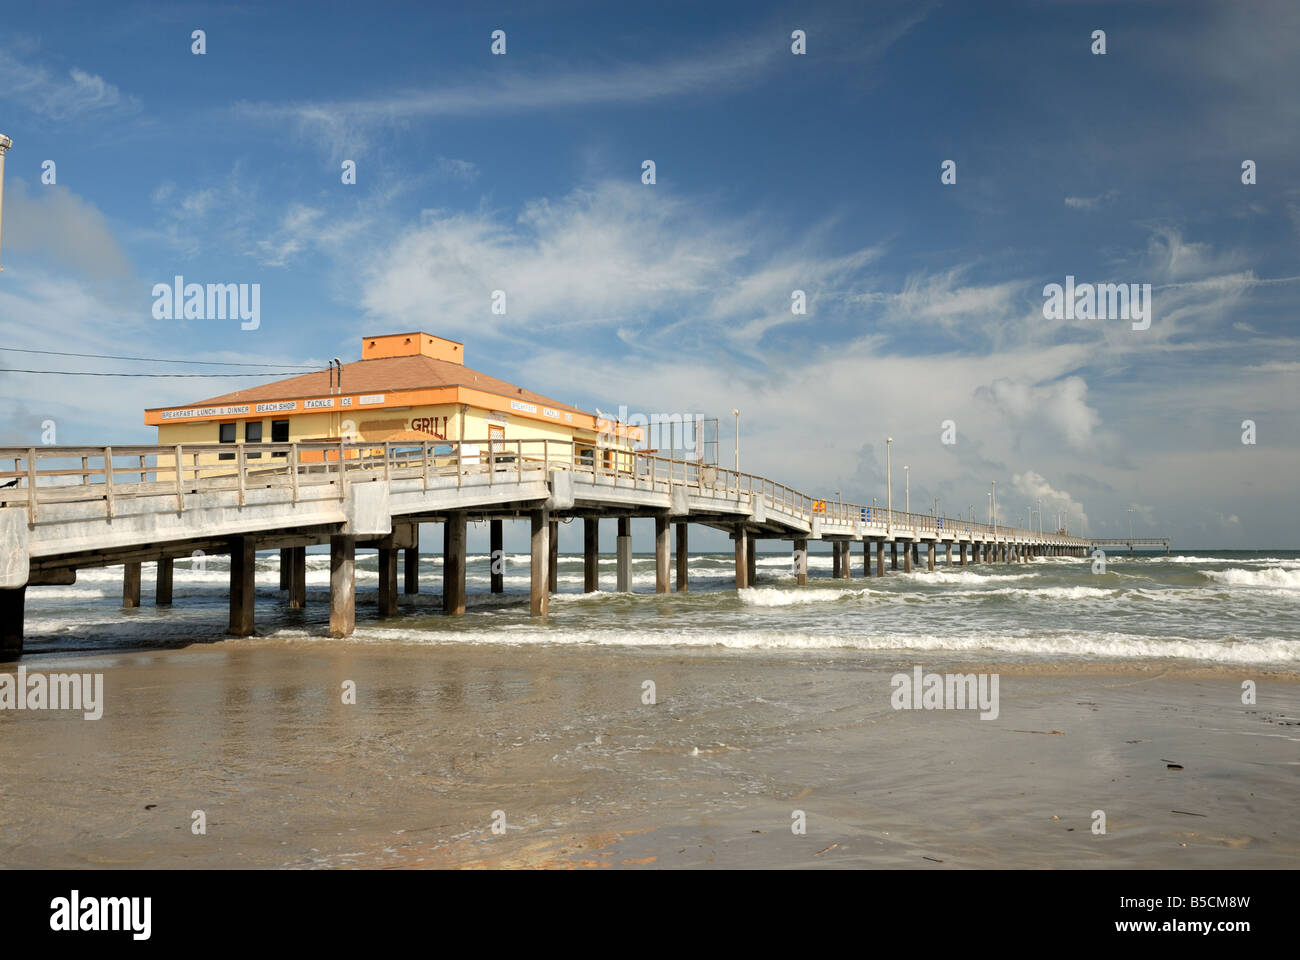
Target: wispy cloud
37,88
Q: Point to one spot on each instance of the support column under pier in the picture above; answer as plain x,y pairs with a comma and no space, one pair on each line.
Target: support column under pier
553,563
285,573
298,578
893,554
162,590
683,558
801,563
453,564
590,554
11,623
243,565
387,581
623,555
835,559
131,584
343,586
496,557
916,554
662,555
929,557
411,560
880,558
948,549
539,597
907,557
742,561
751,559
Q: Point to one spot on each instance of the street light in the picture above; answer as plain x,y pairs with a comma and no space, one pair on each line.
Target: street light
907,495
1040,516
737,413
1130,524
994,502
889,488
5,144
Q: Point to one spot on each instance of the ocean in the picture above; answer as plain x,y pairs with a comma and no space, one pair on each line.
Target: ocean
1211,607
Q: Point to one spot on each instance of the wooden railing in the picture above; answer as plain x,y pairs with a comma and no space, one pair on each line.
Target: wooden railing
167,474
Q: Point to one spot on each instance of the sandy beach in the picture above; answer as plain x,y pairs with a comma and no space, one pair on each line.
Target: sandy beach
255,734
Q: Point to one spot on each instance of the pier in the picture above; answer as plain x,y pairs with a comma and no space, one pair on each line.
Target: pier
68,508
1131,542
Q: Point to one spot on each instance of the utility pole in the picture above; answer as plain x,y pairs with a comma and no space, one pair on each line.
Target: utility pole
737,413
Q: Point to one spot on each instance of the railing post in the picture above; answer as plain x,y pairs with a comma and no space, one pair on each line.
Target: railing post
239,468
424,452
387,453
31,484
108,480
85,470
519,461
293,470
180,488
343,477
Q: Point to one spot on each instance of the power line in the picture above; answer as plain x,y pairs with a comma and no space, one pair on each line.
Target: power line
91,373
206,363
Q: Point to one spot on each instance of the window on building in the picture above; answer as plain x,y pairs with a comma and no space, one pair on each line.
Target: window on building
280,434
226,434
253,434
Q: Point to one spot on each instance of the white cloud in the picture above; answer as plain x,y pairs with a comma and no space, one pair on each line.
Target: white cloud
1061,405
1034,487
40,90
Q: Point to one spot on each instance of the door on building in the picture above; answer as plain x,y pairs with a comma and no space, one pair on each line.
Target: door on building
497,442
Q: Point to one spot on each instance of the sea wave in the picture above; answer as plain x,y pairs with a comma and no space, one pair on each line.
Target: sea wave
1275,577
1266,651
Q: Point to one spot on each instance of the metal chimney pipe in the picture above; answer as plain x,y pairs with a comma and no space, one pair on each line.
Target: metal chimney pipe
5,144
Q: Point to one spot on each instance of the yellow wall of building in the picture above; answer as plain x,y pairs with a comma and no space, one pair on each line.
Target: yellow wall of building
442,420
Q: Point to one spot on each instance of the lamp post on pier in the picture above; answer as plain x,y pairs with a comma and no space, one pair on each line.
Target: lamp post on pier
889,488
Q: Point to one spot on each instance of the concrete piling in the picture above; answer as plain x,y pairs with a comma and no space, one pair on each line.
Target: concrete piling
880,558
929,558
662,557
411,560
11,622
893,554
387,582
907,558
284,568
243,566
590,554
539,597
496,557
801,563
683,558
553,563
343,586
751,559
162,592
298,578
742,561
131,584
453,563
623,555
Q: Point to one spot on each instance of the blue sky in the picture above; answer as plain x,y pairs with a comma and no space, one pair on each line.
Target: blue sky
774,172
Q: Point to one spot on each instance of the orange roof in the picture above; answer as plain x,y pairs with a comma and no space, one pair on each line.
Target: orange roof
387,374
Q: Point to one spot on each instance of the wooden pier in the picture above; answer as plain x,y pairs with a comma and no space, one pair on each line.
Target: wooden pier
73,508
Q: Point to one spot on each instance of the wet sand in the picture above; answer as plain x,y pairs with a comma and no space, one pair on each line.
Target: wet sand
254,734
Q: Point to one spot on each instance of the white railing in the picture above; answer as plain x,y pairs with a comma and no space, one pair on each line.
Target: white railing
165,475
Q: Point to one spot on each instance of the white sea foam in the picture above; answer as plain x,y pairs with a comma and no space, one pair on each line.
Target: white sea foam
1275,577
776,597
1271,650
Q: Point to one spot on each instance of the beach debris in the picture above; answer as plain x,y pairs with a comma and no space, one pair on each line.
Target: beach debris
1188,813
695,752
826,850
150,806
1055,818
1171,765
1060,733
935,859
